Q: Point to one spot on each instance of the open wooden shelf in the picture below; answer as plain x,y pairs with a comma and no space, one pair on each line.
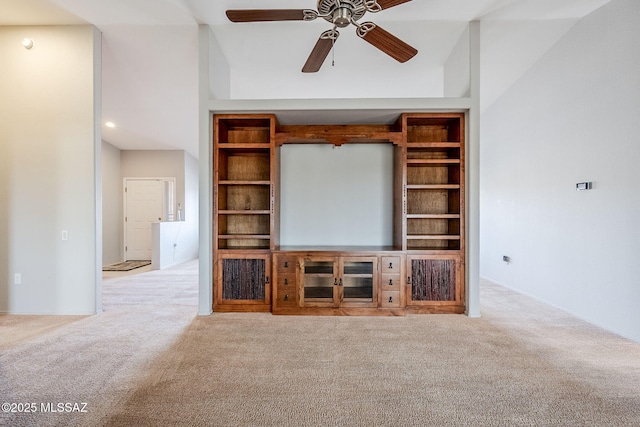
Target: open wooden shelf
243,236
246,147
434,182
433,162
433,216
244,212
433,186
227,182
433,237
242,130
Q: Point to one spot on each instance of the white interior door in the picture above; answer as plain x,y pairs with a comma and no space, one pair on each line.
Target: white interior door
144,206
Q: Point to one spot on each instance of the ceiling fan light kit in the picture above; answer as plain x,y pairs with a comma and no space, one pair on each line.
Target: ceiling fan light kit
341,13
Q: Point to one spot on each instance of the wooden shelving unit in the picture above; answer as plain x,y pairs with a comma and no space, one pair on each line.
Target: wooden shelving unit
434,181
422,273
434,214
244,211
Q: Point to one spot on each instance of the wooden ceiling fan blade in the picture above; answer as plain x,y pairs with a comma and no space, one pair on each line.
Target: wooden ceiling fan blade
320,51
386,42
386,4
261,15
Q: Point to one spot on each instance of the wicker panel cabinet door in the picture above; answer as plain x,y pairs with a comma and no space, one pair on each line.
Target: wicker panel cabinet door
435,281
243,282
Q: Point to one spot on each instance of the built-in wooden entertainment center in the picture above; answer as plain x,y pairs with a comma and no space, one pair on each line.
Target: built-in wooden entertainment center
421,272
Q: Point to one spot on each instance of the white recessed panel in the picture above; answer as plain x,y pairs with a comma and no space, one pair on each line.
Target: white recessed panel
336,195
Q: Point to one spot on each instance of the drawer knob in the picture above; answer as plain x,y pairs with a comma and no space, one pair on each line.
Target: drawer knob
286,297
390,299
390,282
390,265
267,281
286,264
335,282
286,281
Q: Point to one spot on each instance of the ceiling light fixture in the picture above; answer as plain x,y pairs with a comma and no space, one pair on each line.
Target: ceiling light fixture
27,43
110,124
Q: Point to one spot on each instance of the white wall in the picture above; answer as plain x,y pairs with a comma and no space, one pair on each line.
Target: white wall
156,164
111,205
167,241
188,245
510,48
205,176
48,156
218,70
572,117
336,196
457,69
360,71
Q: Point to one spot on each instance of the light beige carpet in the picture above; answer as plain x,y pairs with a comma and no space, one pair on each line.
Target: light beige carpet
148,361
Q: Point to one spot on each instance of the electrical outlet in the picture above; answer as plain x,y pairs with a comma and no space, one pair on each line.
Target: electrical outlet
17,279
506,259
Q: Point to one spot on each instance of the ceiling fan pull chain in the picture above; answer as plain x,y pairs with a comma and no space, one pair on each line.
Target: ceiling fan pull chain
333,52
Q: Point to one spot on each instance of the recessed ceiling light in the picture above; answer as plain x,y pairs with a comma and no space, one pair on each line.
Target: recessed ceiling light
27,43
110,124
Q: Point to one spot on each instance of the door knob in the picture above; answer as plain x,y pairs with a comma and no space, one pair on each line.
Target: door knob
390,299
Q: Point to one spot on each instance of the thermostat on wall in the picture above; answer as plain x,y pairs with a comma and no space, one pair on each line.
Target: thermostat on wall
583,186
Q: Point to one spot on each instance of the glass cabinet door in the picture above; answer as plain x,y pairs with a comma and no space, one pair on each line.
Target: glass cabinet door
357,282
319,282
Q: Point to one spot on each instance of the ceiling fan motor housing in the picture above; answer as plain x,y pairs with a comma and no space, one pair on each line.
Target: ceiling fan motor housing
340,13
341,17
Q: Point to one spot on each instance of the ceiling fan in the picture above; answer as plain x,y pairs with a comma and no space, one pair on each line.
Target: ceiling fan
341,13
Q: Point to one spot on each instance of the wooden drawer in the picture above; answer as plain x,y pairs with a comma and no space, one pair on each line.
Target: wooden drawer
390,299
286,298
286,265
390,282
390,265
286,281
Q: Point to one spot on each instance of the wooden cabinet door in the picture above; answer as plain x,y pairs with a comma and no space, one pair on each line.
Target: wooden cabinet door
243,280
434,280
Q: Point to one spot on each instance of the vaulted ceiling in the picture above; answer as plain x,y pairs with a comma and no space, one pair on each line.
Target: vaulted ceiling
150,54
